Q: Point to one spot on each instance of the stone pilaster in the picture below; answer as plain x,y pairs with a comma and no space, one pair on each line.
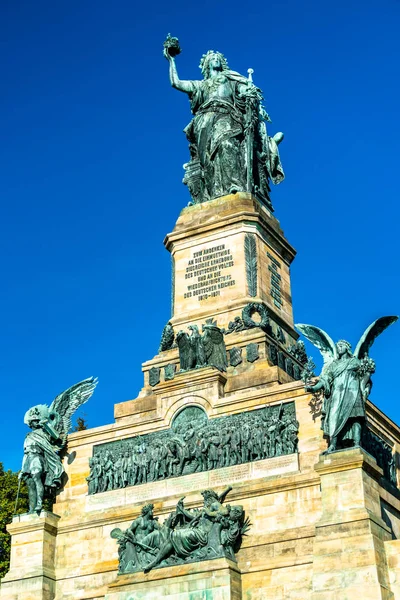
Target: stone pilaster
349,550
32,573
392,548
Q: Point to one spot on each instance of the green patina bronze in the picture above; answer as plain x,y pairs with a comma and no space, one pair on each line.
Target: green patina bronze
187,535
259,310
46,444
154,376
345,382
250,254
201,350
194,444
235,357
169,372
252,352
230,150
298,351
167,338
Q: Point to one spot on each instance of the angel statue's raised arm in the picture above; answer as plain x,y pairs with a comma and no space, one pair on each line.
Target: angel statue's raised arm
42,467
345,381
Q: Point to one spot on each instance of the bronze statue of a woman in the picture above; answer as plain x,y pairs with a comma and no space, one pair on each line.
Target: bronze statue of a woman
229,146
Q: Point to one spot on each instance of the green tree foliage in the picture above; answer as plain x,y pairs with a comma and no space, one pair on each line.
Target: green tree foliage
8,495
81,424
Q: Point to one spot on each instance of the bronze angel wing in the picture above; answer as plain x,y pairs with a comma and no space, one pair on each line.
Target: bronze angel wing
371,333
321,340
66,403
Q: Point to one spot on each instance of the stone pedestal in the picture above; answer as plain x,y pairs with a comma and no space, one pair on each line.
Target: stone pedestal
349,549
208,580
231,265
226,253
32,574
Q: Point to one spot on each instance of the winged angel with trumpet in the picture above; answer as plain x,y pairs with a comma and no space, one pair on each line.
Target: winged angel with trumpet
46,444
345,381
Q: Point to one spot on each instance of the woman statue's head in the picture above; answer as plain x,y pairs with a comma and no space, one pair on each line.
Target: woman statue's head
343,347
213,60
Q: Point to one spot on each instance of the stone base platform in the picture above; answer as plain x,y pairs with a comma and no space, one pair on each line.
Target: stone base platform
32,574
217,579
350,558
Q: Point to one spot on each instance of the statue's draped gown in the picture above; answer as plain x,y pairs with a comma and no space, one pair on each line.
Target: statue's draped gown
217,137
47,462
217,131
186,539
344,401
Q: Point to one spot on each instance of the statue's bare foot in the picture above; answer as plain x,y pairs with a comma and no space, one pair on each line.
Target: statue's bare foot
329,450
234,189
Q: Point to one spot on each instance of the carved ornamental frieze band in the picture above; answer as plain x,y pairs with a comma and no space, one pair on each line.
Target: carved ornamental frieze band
194,444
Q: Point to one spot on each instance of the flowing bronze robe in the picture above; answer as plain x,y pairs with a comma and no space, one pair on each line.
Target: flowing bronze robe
217,133
343,396
52,465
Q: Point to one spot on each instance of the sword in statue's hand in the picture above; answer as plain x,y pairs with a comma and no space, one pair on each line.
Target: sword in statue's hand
249,132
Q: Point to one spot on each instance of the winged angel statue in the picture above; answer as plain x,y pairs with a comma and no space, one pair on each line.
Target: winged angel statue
345,381
46,444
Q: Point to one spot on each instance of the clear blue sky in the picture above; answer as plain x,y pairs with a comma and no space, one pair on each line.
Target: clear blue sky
91,161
